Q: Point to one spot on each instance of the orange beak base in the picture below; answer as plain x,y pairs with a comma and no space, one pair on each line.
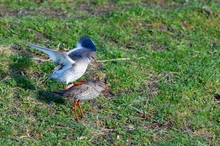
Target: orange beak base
96,63
106,90
109,92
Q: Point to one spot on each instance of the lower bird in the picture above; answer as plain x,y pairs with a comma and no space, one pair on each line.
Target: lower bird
85,91
73,64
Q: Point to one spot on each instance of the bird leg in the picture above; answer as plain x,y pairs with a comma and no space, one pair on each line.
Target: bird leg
73,84
109,92
106,90
74,109
78,103
79,83
66,87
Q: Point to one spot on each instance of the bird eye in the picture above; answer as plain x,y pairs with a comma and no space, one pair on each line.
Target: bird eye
93,57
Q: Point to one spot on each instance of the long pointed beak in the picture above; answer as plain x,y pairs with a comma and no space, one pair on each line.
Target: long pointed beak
106,90
96,64
109,92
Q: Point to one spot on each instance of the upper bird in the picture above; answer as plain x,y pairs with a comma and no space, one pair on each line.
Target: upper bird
71,65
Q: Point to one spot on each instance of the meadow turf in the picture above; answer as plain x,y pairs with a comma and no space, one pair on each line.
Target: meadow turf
167,93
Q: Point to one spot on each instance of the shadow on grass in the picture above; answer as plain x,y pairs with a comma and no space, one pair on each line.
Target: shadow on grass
49,97
2,75
20,64
20,67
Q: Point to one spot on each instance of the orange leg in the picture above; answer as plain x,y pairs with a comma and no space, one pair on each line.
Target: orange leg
79,83
78,103
74,109
74,84
96,63
65,87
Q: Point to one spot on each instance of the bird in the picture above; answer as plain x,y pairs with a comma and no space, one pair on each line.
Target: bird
85,91
71,65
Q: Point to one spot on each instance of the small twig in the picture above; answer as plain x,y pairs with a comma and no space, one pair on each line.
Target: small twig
120,59
116,59
108,130
187,130
5,79
141,57
23,137
27,132
136,109
42,60
58,46
175,73
22,73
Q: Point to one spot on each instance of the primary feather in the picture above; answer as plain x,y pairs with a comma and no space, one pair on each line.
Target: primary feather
57,56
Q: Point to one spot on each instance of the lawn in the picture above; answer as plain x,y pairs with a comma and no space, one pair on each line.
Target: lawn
166,92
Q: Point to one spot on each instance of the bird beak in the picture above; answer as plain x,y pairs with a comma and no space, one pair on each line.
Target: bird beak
106,90
96,63
109,92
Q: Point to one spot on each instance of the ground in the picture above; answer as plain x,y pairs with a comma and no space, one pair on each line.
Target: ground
166,91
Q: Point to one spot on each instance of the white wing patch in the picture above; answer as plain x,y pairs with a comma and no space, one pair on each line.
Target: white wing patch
79,45
73,50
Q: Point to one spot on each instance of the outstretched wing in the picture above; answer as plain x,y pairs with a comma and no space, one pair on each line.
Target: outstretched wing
57,56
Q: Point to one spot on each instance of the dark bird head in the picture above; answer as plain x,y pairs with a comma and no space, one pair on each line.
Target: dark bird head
87,43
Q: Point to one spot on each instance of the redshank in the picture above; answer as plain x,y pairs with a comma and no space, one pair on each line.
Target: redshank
85,91
71,65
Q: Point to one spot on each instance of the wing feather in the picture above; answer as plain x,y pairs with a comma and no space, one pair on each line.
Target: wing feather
57,56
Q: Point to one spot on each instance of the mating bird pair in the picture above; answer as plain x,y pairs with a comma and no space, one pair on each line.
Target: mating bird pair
70,66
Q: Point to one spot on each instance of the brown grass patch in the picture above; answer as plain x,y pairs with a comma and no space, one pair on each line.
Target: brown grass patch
6,50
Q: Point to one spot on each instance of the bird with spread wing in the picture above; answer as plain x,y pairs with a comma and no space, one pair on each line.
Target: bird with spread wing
71,65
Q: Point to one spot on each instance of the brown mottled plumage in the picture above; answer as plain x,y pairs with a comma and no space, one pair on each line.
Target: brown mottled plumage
85,91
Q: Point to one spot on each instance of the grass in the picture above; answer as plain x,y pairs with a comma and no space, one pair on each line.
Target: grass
166,94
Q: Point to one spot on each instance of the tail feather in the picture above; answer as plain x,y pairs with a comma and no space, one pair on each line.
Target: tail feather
60,93
52,76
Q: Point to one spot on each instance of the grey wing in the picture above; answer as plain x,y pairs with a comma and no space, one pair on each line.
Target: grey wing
77,54
73,91
57,56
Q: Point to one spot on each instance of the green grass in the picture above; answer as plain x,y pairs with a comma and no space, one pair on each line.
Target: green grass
172,77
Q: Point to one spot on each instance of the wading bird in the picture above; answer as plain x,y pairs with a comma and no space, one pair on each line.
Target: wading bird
85,91
71,65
